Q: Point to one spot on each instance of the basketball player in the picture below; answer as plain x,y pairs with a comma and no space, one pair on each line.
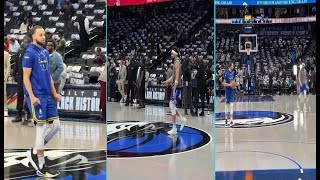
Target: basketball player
302,79
39,90
229,84
175,93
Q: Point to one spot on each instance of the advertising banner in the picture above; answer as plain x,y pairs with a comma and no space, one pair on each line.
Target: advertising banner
156,94
133,2
272,20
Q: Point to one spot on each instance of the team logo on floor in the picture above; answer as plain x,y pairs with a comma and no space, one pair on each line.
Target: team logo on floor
140,139
72,164
249,119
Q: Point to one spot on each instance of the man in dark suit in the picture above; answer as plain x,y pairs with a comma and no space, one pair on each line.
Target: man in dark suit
131,77
141,83
201,85
187,86
18,74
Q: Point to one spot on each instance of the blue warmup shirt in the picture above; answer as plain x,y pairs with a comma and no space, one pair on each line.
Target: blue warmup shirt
38,59
229,76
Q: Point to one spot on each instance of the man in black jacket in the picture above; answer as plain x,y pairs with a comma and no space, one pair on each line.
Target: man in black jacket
18,74
141,83
201,85
84,31
112,80
209,82
131,77
187,87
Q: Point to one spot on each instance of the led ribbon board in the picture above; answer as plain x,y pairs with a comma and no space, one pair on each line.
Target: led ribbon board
133,2
262,2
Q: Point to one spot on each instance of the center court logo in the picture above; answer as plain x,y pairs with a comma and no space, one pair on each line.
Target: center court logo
72,164
141,139
249,119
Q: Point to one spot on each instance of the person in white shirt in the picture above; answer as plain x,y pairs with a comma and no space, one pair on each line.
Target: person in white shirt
24,27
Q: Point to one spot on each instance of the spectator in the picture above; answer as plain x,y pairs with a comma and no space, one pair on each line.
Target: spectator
131,72
102,80
141,83
100,58
200,76
24,27
122,78
60,3
68,11
30,25
14,45
219,81
7,43
84,29
49,38
63,78
61,43
208,83
187,88
18,74
112,80
56,64
30,16
271,79
7,68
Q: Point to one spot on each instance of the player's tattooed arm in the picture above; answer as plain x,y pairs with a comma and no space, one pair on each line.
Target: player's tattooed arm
176,81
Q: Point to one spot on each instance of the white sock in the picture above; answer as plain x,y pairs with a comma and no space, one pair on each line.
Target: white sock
34,151
41,161
174,126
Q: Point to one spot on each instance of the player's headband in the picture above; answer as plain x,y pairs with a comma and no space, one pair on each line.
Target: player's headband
172,51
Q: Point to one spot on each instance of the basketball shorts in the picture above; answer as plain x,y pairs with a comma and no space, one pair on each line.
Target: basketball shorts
177,96
229,97
45,112
303,88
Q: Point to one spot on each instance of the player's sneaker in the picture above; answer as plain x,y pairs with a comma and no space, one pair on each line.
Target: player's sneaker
231,123
173,131
47,172
33,159
183,123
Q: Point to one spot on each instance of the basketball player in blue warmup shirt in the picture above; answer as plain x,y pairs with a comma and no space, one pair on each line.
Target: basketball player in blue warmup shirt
39,89
229,79
175,93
